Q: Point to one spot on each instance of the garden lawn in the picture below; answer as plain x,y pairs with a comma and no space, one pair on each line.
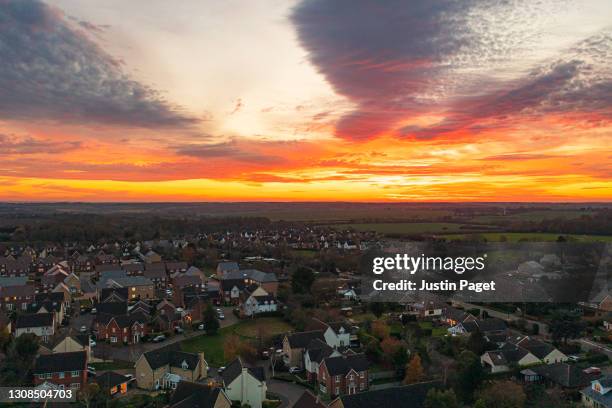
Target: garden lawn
212,345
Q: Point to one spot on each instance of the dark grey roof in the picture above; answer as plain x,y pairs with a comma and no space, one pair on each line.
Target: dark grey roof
171,356
53,363
234,369
253,274
34,320
565,375
228,284
194,395
414,394
318,350
110,379
341,365
112,308
302,339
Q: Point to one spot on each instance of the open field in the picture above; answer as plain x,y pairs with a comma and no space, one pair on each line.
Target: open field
536,215
529,236
212,345
405,227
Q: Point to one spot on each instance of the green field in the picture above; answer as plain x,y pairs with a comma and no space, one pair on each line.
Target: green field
535,215
212,346
529,236
405,227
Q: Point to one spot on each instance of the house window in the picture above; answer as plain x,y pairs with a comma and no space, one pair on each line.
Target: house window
113,339
41,376
337,378
75,373
75,386
362,374
47,375
61,375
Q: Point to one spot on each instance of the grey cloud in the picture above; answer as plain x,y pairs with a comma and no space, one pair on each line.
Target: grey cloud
52,70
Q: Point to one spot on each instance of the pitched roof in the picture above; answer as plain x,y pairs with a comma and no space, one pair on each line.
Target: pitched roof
253,274
234,369
565,375
34,320
309,400
391,397
53,363
318,350
110,379
341,365
171,356
302,339
189,394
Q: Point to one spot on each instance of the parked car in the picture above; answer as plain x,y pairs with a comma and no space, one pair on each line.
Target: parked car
295,370
83,329
221,369
574,358
179,330
201,326
221,316
94,310
129,377
265,354
158,339
92,342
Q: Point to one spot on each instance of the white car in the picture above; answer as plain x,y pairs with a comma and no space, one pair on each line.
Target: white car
92,343
221,369
201,326
83,329
295,370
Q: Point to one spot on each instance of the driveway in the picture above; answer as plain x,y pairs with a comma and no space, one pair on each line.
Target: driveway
586,344
133,352
288,392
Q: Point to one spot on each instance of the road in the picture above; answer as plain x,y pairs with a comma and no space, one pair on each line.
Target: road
288,392
586,344
132,352
508,317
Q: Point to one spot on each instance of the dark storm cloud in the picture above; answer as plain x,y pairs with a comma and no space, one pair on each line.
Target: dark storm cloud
51,70
398,59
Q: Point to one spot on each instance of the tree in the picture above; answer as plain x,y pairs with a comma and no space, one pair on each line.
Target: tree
441,399
503,394
566,325
414,371
233,347
302,279
378,308
211,323
477,343
394,351
380,329
470,375
88,393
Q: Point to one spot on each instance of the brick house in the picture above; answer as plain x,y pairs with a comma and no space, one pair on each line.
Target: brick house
68,370
127,329
16,297
346,374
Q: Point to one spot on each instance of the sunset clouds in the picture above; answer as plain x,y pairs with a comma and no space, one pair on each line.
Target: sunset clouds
306,100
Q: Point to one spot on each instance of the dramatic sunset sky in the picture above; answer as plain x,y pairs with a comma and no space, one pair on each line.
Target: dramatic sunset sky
313,100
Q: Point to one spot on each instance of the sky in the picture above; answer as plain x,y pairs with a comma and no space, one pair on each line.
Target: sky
308,100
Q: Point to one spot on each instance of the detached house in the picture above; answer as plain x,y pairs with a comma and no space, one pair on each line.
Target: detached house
245,384
40,324
67,370
125,328
488,327
259,301
413,396
316,351
346,374
166,367
521,351
599,394
336,334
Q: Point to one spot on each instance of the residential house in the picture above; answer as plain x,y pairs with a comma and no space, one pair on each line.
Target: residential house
413,395
569,377
294,345
267,280
521,351
257,302
176,267
245,384
40,324
166,367
345,374
16,297
453,316
492,326
151,257
133,268
232,290
195,395
598,394
67,370
126,329
51,302
156,272
138,287
183,281
336,334
316,351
